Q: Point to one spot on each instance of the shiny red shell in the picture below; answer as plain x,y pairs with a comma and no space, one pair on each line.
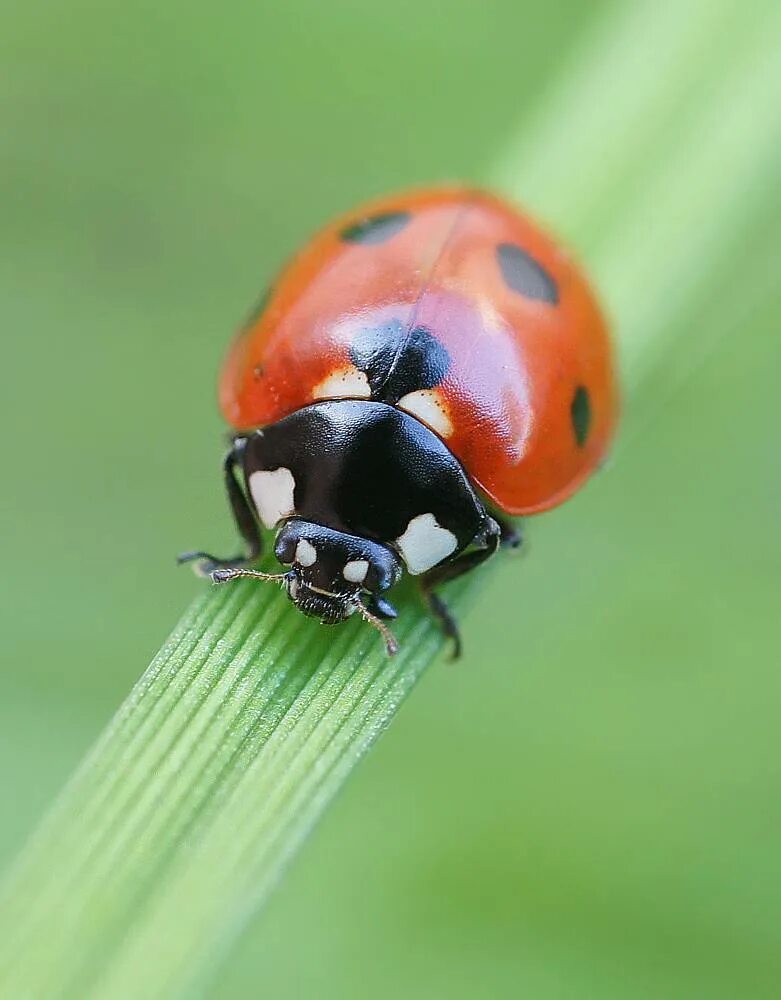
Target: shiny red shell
529,399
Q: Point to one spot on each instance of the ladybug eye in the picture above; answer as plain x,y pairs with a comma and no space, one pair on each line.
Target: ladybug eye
375,229
285,549
524,275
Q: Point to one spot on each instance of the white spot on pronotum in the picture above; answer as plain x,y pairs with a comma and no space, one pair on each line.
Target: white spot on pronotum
306,553
272,493
425,543
427,405
344,383
355,570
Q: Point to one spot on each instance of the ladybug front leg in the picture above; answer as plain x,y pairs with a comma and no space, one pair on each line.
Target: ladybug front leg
243,516
450,571
380,606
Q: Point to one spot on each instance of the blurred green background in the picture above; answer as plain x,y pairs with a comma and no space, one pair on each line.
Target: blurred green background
588,805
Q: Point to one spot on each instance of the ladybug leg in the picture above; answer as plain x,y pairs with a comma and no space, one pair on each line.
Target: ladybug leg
511,534
381,607
450,571
445,620
243,516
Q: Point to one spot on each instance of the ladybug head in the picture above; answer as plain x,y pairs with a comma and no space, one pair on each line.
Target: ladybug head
332,575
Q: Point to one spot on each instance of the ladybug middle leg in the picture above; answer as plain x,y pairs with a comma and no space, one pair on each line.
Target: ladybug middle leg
243,516
450,571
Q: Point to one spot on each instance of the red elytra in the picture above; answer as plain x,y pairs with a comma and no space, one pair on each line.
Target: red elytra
528,401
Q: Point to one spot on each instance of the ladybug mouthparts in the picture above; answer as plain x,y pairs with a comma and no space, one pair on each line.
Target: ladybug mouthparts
329,608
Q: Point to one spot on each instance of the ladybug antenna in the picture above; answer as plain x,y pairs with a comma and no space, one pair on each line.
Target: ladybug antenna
391,643
233,573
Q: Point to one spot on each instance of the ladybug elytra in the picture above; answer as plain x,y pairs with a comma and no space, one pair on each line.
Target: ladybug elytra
422,370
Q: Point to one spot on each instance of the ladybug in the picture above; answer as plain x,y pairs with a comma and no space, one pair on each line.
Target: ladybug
426,367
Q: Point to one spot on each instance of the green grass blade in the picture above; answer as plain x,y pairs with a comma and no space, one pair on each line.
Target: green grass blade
653,153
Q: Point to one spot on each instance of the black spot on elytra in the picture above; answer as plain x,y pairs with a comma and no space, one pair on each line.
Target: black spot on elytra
524,275
375,229
397,361
580,413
